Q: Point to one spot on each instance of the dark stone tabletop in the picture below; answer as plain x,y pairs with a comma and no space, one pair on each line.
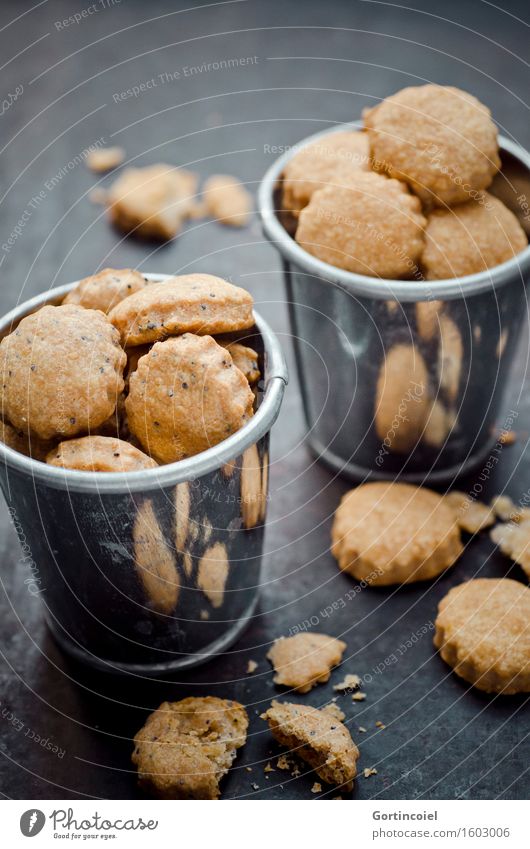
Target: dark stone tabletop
310,65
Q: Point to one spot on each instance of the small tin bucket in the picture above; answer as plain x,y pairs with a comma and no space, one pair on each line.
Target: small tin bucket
155,570
402,377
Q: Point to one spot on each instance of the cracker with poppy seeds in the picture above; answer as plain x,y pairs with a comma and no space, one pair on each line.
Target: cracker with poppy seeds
104,290
190,303
186,396
317,738
99,454
62,371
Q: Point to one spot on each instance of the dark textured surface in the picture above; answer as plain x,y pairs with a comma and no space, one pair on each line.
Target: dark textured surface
440,740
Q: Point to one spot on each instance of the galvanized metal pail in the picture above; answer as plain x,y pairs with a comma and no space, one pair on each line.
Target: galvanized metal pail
155,570
402,377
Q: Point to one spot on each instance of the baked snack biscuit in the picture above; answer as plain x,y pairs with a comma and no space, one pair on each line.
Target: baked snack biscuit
317,738
27,444
61,371
394,533
104,290
191,303
152,202
244,358
327,161
482,631
470,238
305,660
402,402
372,225
438,139
186,747
99,454
513,539
186,396
227,200
471,515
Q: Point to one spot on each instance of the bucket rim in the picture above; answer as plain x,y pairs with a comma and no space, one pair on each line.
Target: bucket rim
146,480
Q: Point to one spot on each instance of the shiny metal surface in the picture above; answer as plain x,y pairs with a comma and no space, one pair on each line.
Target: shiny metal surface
402,377
155,570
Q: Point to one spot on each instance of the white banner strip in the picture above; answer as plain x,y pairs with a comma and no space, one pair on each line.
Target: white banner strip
360,823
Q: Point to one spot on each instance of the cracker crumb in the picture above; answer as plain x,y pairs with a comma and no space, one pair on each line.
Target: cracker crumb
334,711
105,159
295,772
358,697
350,682
283,762
362,729
513,539
316,788
268,767
248,768
508,437
204,614
507,511
379,724
254,786
251,667
472,516
368,771
98,195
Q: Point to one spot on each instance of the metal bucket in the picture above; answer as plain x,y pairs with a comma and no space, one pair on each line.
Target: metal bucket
373,354
155,570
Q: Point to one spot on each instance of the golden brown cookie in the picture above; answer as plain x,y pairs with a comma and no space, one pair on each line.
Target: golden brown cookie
483,632
61,371
438,139
371,226
513,540
470,238
402,401
186,396
316,737
305,660
227,200
244,358
394,533
471,515
152,202
104,290
27,444
186,747
191,303
328,161
99,454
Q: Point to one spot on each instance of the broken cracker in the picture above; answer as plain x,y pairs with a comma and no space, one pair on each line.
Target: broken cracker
320,740
305,660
